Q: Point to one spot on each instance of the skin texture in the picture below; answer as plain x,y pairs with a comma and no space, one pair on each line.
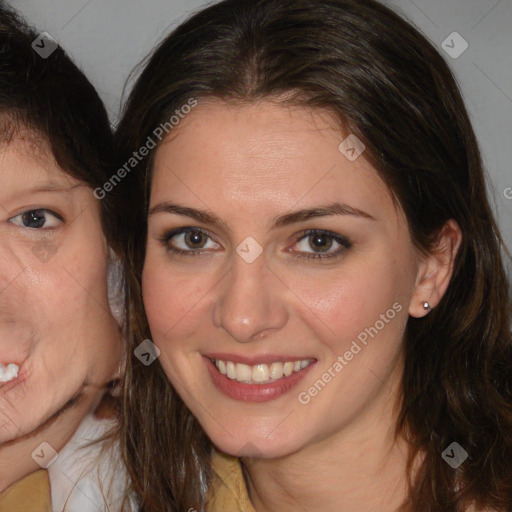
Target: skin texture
54,313
249,164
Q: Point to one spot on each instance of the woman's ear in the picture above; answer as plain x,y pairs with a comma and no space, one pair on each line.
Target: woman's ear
435,270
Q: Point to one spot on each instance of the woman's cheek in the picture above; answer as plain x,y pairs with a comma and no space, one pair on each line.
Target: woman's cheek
166,299
339,298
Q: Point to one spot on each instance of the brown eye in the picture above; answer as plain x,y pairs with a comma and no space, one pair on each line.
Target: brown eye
320,242
195,239
188,240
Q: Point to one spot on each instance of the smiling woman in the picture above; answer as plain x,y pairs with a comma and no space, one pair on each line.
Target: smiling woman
320,269
60,344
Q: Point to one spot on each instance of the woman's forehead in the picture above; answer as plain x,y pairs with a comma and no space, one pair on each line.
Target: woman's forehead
265,153
28,156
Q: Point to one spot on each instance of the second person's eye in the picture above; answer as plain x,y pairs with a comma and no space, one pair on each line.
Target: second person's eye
322,244
188,240
40,218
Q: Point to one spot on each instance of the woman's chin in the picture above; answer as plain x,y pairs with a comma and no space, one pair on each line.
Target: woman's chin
255,446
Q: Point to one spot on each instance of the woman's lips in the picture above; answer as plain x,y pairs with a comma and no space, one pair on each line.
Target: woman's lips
259,382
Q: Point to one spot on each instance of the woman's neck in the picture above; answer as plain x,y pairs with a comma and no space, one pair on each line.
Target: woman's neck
359,469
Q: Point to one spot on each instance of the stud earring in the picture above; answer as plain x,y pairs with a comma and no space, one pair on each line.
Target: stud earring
426,305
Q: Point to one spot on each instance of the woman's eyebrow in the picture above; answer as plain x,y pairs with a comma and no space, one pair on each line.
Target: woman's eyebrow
200,215
46,187
320,211
55,187
208,217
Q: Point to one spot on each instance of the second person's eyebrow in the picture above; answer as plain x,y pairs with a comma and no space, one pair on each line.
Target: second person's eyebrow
56,187
207,217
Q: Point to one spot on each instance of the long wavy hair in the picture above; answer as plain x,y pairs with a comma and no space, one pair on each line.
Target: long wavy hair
381,78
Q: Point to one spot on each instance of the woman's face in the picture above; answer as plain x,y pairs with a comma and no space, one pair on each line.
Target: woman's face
278,276
55,322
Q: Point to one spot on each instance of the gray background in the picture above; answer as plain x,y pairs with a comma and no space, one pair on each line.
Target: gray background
108,38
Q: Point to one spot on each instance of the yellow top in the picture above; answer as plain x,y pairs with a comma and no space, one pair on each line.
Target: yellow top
230,493
31,494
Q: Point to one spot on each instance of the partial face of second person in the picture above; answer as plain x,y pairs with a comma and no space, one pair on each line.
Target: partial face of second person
251,270
55,322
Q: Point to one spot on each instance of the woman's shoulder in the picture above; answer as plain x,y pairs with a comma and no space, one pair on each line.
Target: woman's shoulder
227,490
31,494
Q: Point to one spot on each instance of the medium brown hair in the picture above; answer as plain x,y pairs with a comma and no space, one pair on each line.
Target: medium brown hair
381,78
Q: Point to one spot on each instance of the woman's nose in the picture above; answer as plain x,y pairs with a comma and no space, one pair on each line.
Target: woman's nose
251,301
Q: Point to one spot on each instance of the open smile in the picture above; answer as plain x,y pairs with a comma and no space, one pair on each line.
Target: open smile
258,382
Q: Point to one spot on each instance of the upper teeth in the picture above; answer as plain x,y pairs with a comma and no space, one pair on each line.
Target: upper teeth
259,373
8,372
